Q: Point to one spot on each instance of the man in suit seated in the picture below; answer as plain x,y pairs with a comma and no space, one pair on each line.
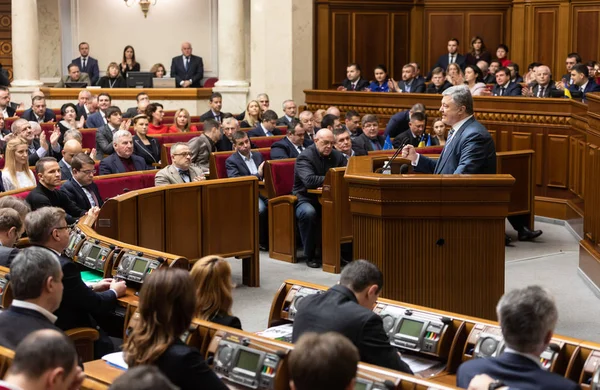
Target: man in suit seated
352,123
142,100
267,127
80,188
181,170
38,148
82,104
289,114
187,69
323,361
308,123
11,229
144,378
5,107
572,60
370,139
87,64
309,173
80,305
408,84
438,81
247,163
493,68
453,56
205,144
72,147
105,133
36,280
544,87
515,77
331,122
122,160
504,87
228,127
353,81
38,111
527,317
347,308
414,134
99,118
582,84
292,145
398,123
343,143
215,103
74,76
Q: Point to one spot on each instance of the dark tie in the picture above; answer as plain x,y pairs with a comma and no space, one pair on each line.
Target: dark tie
83,66
502,91
185,175
93,195
451,59
218,118
352,87
300,148
541,94
187,63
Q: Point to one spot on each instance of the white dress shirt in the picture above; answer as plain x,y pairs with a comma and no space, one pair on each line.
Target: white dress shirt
250,163
32,306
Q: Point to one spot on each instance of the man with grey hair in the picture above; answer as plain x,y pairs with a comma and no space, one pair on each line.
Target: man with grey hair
306,118
37,148
181,170
36,280
263,101
333,110
289,114
11,229
123,160
527,317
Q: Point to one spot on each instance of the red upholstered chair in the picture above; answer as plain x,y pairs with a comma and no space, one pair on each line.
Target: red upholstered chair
172,138
88,138
266,142
9,121
165,155
210,82
113,185
217,160
48,128
56,111
195,119
279,182
169,113
2,162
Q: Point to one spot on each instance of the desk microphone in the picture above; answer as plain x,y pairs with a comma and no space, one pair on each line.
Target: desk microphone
389,163
404,169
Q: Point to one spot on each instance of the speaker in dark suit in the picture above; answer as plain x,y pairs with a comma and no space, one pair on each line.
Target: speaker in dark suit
187,68
88,65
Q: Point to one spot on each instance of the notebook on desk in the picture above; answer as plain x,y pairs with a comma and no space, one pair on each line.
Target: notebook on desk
163,82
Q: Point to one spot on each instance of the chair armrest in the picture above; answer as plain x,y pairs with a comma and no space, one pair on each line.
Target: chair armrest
289,199
83,334
84,338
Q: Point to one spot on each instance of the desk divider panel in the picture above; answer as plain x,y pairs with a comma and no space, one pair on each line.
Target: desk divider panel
183,220
151,218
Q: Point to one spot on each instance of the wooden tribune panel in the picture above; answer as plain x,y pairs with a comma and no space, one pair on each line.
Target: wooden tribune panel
336,218
184,229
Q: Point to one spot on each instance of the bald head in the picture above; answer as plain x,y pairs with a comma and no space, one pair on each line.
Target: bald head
71,148
324,142
186,49
333,110
543,75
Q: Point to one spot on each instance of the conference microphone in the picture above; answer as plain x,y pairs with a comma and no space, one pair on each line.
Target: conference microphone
389,162
404,169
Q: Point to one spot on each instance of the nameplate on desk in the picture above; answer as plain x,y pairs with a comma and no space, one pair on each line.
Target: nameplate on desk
104,222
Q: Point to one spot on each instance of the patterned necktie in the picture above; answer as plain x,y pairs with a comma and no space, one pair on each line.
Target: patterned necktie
185,175
94,197
450,134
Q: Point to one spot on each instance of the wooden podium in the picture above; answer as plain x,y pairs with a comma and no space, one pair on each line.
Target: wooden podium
439,239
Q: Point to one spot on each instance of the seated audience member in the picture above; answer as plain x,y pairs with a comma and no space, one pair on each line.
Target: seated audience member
39,112
264,101
343,143
438,81
452,57
491,77
166,307
267,127
478,52
128,63
212,278
415,133
455,74
113,78
308,123
46,193
527,317
215,103
99,118
572,60
87,64
331,122
82,104
155,114
80,304
143,378
515,77
529,77
181,170
333,110
122,160
158,70
46,359
252,116
544,87
309,173
352,123
347,308
105,133
183,122
353,81
5,107
142,100
504,87
11,229
74,76
144,146
438,136
36,280
37,148
581,82
370,138
399,121
16,173
317,118
408,84
187,69
72,147
18,204
80,188
205,144
325,361
248,163
418,75
292,145
289,115
485,70
69,121
228,127
74,134
381,80
474,80
501,55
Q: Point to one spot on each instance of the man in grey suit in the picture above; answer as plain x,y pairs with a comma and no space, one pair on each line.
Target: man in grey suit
181,170
202,146
74,76
11,228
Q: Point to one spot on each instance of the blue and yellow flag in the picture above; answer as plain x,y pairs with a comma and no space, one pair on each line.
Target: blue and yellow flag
388,143
568,93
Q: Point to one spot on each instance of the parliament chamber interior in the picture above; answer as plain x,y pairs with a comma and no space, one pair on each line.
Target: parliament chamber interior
300,169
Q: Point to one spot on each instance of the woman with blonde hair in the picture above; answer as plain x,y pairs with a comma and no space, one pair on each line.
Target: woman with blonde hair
158,70
113,78
16,173
252,115
166,307
212,278
183,122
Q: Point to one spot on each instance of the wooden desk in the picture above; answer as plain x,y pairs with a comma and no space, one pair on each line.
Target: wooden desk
102,372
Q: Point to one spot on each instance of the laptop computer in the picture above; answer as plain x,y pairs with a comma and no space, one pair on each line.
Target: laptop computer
75,84
164,82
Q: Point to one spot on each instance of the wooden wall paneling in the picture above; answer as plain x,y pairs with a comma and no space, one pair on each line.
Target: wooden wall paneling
417,34
557,160
586,31
322,42
573,146
488,25
581,147
545,31
400,44
178,233
592,191
440,27
370,41
340,46
539,159
151,220
521,141
494,137
6,37
504,138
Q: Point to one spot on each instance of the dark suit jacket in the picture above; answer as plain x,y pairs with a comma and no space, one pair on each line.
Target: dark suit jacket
442,62
236,166
74,192
512,89
81,112
310,170
11,111
94,121
338,310
590,87
407,138
285,149
65,171
30,116
362,142
490,79
471,150
209,115
33,157
431,88
547,92
104,141
91,68
515,371
258,132
131,112
195,71
283,121
150,153
7,255
397,124
40,197
17,323
113,164
360,85
186,368
224,144
417,86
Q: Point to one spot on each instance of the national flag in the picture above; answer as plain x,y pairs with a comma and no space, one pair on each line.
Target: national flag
388,143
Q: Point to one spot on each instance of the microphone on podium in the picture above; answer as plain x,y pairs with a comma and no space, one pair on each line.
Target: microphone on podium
388,165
